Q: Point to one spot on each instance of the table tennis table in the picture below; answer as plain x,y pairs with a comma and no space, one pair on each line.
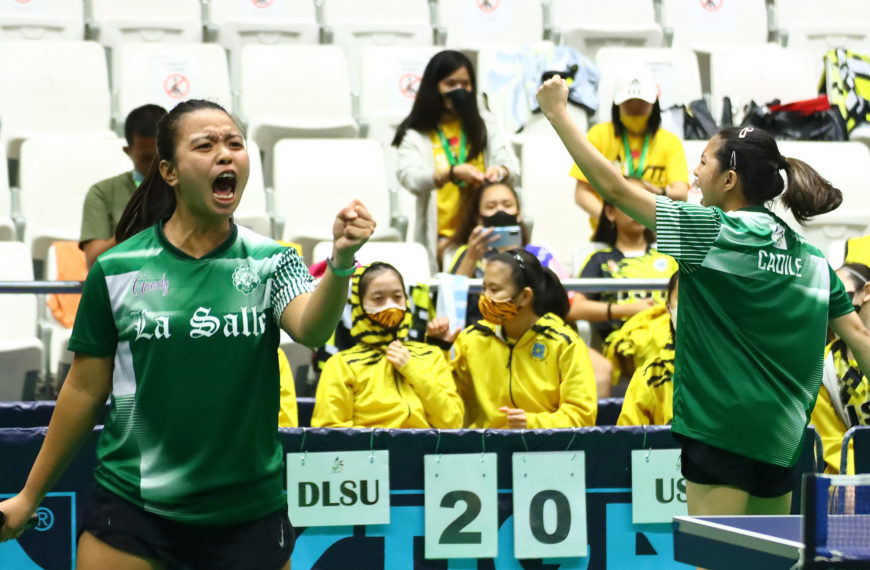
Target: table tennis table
744,542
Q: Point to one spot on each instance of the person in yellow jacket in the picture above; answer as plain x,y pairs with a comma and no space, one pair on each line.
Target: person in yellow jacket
522,367
385,380
288,412
858,250
844,398
649,399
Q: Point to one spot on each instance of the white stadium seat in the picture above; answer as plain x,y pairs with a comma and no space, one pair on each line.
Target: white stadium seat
168,73
55,175
824,25
474,23
42,20
390,77
253,211
21,351
589,26
354,25
234,24
114,22
548,198
295,91
762,74
705,25
410,258
315,178
59,87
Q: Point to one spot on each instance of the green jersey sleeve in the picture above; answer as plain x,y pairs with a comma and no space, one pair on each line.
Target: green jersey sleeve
840,303
685,231
291,278
94,332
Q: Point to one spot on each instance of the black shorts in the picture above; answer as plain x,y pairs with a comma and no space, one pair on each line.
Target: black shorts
264,543
709,465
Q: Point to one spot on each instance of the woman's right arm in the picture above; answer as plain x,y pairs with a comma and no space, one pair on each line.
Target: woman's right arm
602,175
80,402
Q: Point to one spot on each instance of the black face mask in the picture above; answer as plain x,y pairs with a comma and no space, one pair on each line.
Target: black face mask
500,218
462,100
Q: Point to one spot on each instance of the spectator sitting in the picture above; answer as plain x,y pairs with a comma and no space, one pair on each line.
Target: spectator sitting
635,141
447,145
629,255
522,367
844,398
385,380
106,200
649,399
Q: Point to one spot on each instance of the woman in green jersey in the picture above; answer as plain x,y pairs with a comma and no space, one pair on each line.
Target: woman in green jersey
179,323
756,299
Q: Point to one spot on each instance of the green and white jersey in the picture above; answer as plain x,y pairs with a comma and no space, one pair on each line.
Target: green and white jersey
192,431
755,300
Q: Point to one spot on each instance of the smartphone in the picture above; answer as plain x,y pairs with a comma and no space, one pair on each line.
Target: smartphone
508,236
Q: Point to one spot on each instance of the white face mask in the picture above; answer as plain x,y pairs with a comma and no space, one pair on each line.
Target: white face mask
673,312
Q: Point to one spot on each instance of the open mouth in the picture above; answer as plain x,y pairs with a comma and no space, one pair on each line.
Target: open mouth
224,187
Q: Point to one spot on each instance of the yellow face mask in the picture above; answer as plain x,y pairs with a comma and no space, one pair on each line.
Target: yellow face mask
634,123
497,312
389,317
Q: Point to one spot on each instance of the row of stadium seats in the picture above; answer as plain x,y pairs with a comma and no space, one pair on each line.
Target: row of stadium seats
456,22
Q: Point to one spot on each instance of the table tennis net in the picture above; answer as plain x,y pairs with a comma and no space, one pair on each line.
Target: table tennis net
840,517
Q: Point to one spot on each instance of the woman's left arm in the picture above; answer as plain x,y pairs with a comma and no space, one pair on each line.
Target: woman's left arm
310,318
432,380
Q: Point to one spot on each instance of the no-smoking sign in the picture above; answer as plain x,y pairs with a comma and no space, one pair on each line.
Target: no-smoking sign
712,5
176,86
409,84
487,5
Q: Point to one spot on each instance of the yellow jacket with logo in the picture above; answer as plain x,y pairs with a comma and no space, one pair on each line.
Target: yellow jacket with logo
546,372
359,387
649,399
843,402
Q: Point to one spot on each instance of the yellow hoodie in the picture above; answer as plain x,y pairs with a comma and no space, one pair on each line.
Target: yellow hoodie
649,399
546,372
359,387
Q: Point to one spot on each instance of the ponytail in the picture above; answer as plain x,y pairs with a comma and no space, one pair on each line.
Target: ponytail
807,193
548,293
754,156
153,200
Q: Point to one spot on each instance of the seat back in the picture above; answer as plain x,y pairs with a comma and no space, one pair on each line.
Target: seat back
19,310
121,21
589,26
706,25
410,258
44,20
488,22
168,73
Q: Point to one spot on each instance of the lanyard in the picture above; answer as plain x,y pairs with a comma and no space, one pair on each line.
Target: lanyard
451,158
632,172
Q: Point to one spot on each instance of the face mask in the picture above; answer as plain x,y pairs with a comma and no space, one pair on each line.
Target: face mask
497,312
500,218
634,123
462,100
390,316
674,318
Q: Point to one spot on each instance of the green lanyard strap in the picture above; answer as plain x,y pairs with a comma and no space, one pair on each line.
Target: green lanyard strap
632,172
451,157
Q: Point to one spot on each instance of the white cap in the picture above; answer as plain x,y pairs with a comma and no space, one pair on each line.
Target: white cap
636,82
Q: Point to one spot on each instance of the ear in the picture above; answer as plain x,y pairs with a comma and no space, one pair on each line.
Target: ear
865,293
126,150
525,299
730,181
168,172
610,212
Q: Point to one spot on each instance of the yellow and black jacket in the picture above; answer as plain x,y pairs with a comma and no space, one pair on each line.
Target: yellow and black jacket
843,402
649,399
641,338
858,250
546,372
360,388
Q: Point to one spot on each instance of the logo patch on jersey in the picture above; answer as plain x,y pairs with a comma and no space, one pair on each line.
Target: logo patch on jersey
245,279
539,351
660,264
778,236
